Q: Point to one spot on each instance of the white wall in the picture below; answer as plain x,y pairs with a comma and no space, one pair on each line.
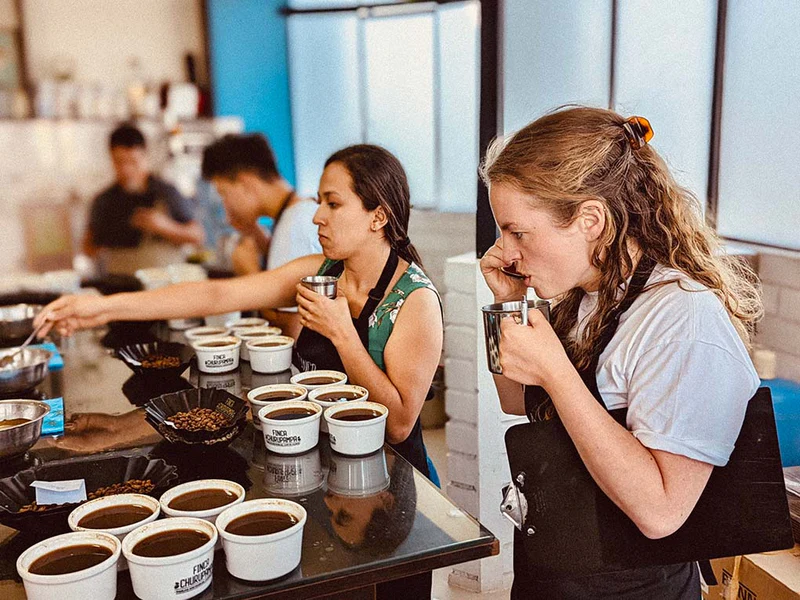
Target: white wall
99,38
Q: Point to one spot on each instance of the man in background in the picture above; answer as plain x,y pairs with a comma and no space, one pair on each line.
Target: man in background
243,170
140,221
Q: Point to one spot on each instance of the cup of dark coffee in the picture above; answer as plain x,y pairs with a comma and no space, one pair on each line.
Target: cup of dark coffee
203,499
117,515
321,284
82,564
356,429
268,395
267,527
171,558
331,395
290,427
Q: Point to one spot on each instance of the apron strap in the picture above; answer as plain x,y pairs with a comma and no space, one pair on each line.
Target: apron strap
377,293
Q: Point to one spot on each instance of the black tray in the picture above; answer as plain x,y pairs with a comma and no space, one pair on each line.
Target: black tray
132,355
97,471
158,410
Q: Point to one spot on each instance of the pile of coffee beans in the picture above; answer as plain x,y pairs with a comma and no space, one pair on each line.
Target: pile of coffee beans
132,486
199,419
160,361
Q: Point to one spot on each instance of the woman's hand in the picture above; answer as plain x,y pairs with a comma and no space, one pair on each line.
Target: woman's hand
532,354
68,314
326,316
503,287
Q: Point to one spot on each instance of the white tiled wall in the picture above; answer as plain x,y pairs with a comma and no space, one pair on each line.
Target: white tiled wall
476,461
780,329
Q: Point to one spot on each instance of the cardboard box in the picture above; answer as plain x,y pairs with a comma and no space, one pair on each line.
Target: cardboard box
770,576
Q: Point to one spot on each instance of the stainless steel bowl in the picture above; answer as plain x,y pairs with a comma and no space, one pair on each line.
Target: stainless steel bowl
493,315
27,370
17,439
16,321
322,284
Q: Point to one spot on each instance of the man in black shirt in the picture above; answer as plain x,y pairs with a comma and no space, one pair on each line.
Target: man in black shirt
140,221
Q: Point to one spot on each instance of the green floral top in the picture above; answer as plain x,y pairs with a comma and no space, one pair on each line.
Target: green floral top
381,321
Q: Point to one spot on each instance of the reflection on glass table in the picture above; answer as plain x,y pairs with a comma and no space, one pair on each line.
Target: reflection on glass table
371,519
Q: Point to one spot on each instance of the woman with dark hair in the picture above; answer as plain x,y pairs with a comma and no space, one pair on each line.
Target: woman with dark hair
385,327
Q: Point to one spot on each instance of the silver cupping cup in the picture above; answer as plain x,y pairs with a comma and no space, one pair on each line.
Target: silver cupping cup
492,316
321,284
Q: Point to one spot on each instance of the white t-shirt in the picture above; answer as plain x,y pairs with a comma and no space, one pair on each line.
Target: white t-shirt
295,234
679,366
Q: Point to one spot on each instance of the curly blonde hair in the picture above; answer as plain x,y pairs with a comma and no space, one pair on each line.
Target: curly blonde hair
575,154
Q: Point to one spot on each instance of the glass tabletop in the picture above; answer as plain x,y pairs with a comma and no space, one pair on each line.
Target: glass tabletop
370,518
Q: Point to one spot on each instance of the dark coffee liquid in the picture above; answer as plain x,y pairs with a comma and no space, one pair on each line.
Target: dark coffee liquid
217,344
9,423
202,499
339,396
357,414
261,523
207,333
170,543
290,414
275,396
270,344
319,380
241,325
70,559
115,516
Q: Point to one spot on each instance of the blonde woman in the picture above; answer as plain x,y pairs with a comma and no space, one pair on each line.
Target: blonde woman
645,363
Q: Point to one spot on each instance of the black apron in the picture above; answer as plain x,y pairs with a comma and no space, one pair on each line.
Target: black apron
671,582
314,351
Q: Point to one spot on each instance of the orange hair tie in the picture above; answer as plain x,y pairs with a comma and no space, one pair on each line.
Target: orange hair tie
638,131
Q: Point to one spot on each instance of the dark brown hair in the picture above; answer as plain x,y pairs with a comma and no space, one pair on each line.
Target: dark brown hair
380,180
577,154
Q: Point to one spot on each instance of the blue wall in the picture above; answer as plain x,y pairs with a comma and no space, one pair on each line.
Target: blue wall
247,40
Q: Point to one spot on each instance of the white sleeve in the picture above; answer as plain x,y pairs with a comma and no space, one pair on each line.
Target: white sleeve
689,397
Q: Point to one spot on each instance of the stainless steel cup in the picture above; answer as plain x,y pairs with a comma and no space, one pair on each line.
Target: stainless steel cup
492,316
322,284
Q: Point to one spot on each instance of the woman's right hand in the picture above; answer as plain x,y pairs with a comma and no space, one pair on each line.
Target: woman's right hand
68,314
503,287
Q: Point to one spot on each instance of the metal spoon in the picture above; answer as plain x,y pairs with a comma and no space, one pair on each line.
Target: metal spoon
510,272
9,358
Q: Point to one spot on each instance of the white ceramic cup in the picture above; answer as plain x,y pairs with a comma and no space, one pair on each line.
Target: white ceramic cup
255,333
298,391
291,436
358,475
268,358
184,324
217,359
246,324
118,500
302,378
210,514
220,320
356,438
98,582
179,576
286,476
315,396
205,333
262,557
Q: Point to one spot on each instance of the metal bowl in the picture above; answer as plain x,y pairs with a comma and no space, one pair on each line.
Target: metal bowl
18,438
28,369
16,321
